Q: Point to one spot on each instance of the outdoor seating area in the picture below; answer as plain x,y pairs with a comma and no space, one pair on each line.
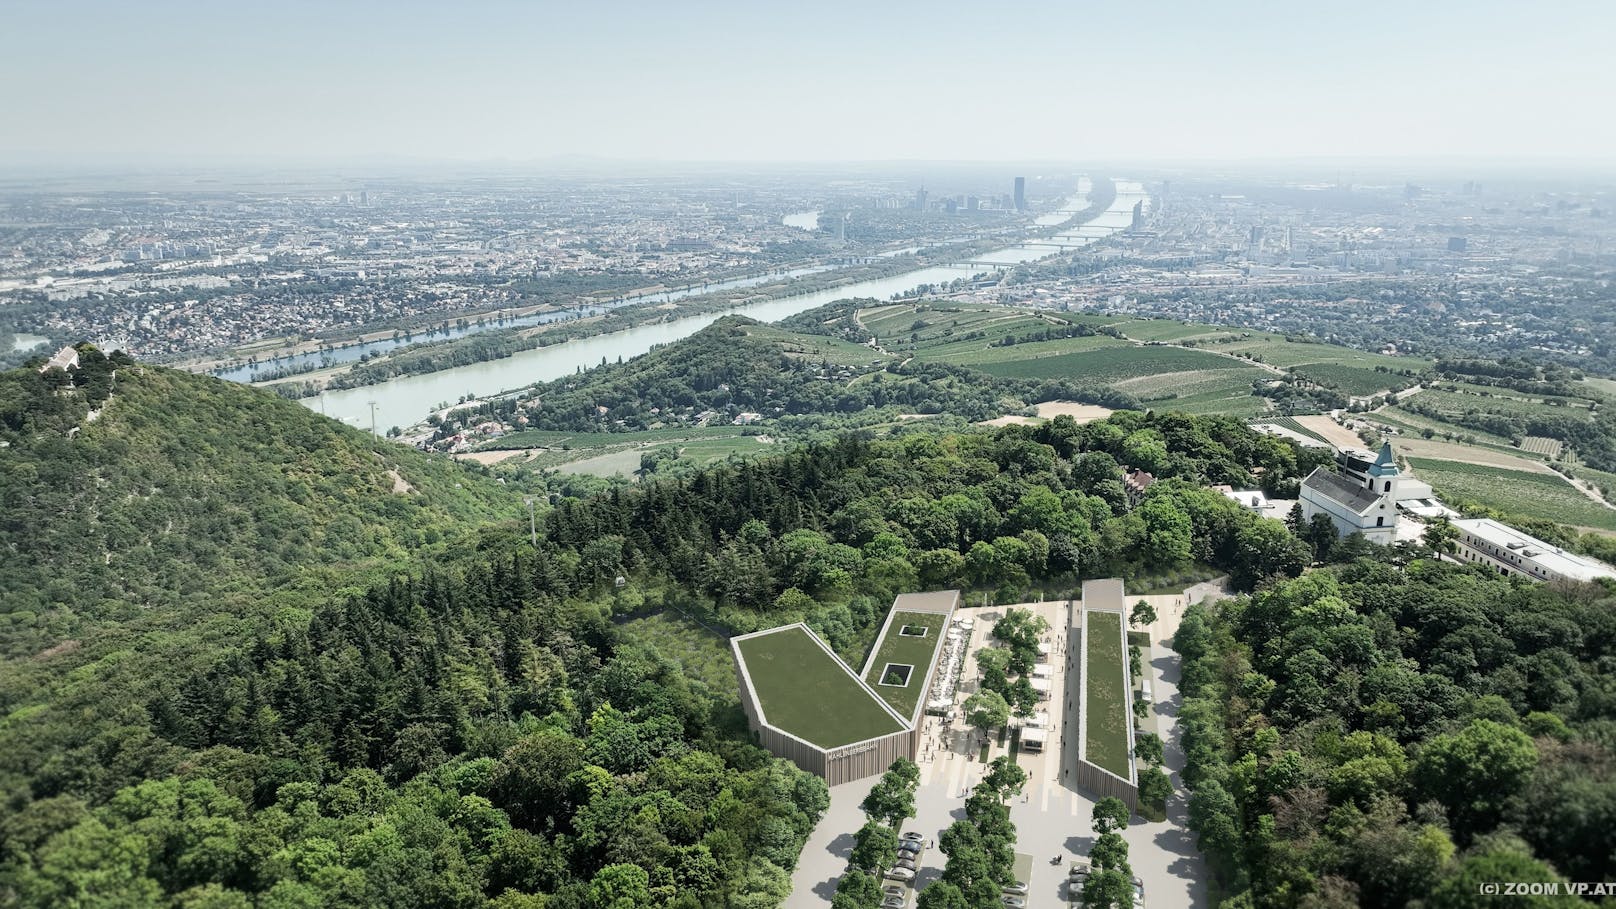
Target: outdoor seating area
949,666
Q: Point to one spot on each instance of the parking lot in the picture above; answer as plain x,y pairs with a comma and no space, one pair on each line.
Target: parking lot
1051,817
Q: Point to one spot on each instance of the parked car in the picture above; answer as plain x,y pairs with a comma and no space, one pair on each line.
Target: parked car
1138,894
1019,888
910,846
894,890
1014,902
900,874
1080,872
893,902
911,835
906,863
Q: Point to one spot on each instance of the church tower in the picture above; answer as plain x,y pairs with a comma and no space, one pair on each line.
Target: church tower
1383,476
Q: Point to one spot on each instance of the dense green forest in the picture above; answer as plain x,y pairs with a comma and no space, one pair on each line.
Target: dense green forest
471,724
1383,735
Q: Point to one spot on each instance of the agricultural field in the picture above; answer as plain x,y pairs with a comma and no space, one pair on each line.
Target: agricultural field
1276,351
1351,380
1601,387
1512,405
621,463
1601,480
1410,447
894,323
1548,448
1116,364
1416,423
1105,714
1538,495
1291,424
1172,331
809,693
978,353
625,462
817,348
934,323
545,438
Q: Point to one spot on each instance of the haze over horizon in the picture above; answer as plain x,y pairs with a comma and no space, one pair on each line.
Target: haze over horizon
505,82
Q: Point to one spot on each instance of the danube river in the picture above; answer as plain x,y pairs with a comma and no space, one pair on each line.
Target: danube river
352,353
407,400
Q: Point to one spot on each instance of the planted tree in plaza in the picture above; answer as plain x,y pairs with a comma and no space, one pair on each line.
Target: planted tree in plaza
992,665
1110,815
943,895
1020,630
987,710
1004,777
1110,885
1154,786
1023,697
1143,614
1147,747
875,846
892,798
1110,852
857,890
1108,890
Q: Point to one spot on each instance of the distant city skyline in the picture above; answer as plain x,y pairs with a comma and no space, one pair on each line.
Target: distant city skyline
506,82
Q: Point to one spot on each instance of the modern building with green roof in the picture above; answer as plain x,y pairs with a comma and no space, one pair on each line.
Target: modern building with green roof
809,707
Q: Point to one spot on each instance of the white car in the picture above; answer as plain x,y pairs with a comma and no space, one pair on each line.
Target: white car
900,874
912,836
1019,888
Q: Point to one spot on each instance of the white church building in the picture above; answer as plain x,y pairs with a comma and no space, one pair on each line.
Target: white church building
1361,497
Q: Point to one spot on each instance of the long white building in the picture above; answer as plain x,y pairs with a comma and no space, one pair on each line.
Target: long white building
1506,550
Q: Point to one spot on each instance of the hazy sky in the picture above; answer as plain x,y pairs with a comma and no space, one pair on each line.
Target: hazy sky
804,81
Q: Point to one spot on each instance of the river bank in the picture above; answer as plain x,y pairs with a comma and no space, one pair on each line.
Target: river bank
407,400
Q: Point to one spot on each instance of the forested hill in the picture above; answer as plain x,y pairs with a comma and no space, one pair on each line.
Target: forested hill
129,490
147,515
477,730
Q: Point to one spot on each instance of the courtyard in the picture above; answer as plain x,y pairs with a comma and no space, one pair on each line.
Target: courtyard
1052,818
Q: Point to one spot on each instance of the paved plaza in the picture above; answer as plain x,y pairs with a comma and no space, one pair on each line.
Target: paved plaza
1051,817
